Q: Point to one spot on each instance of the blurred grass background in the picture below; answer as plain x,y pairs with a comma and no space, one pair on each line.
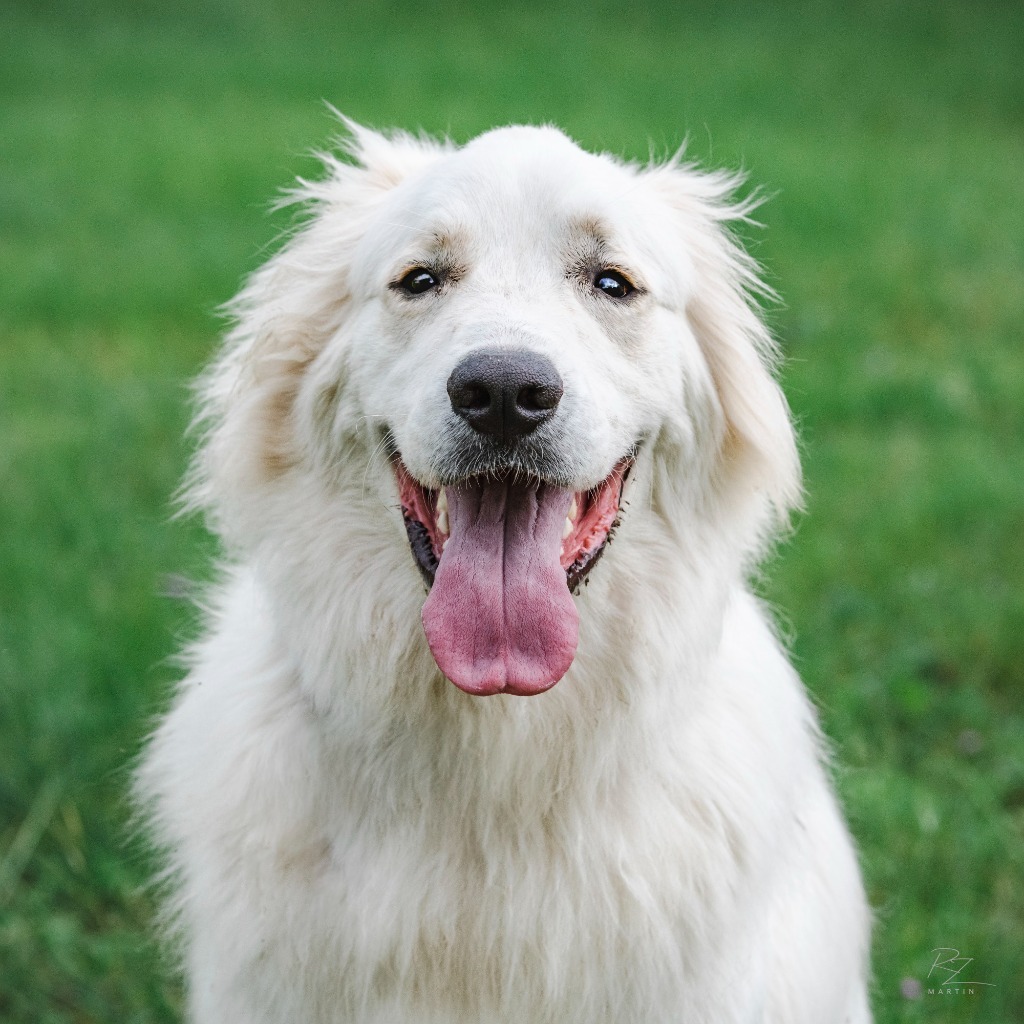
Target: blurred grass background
138,151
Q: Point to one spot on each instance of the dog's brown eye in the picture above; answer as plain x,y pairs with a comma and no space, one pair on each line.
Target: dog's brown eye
417,281
613,284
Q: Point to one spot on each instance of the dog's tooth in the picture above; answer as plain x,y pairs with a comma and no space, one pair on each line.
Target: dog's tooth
567,528
574,509
441,511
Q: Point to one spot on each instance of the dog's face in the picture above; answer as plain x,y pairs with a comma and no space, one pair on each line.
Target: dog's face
523,348
516,323
515,269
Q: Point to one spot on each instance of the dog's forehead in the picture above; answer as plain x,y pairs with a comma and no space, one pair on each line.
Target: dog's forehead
518,178
528,201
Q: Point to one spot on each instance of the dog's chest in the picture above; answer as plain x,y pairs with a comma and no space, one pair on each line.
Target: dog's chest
592,918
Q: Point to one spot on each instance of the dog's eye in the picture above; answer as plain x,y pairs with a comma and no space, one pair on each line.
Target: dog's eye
613,284
417,281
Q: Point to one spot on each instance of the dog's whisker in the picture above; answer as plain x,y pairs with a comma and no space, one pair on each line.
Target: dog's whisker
385,444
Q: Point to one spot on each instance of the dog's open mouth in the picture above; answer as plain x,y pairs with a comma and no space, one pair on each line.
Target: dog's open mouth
502,556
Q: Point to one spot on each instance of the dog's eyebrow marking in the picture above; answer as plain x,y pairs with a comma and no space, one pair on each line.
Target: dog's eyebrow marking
442,251
592,244
445,246
450,240
588,245
591,248
592,228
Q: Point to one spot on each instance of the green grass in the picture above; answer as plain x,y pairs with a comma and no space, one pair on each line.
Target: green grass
138,152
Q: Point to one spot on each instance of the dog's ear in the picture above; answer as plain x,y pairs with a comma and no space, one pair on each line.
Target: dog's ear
758,444
284,317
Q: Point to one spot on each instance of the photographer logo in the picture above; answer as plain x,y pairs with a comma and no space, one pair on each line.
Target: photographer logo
948,974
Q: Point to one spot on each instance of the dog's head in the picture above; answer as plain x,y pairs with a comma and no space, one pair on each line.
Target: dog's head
509,334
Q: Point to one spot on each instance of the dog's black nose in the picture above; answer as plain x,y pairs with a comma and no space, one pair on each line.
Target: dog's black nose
505,392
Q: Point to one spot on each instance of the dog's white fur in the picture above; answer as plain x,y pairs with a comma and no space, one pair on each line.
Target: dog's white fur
350,837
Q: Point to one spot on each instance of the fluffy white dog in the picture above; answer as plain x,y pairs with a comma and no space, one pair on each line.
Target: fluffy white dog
487,726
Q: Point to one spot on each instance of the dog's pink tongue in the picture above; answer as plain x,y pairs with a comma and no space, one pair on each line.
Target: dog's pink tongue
500,618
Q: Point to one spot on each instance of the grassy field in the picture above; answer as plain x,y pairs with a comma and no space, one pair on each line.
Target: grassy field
138,152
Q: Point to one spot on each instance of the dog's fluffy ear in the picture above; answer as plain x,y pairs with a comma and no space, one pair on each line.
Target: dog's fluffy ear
758,450
287,312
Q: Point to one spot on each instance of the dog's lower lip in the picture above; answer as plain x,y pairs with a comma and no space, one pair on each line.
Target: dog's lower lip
592,520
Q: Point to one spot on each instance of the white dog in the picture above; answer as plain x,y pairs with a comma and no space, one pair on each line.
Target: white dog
499,423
